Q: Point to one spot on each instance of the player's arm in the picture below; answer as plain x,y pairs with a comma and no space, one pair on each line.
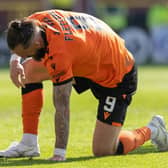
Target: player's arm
16,71
62,102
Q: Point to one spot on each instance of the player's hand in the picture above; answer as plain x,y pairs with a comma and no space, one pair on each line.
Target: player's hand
17,74
57,158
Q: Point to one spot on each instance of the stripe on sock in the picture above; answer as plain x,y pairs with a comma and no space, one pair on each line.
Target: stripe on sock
30,87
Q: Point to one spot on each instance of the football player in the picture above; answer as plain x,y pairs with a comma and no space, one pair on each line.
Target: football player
79,50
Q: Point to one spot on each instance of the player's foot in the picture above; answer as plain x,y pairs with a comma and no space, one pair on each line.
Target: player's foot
20,150
159,135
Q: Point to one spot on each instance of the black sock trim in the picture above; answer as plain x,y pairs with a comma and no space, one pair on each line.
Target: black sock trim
30,87
120,149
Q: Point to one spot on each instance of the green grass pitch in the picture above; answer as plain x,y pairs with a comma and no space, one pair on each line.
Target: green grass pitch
151,98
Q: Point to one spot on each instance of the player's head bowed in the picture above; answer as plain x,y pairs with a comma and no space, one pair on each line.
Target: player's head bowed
24,38
20,32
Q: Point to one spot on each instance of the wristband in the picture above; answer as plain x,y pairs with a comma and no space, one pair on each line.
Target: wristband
14,57
60,152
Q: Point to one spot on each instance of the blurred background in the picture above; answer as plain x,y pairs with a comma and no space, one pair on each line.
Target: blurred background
142,23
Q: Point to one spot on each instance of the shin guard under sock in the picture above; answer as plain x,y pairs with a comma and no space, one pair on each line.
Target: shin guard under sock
32,101
130,140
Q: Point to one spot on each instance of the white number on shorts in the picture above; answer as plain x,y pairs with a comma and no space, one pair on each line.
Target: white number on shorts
109,104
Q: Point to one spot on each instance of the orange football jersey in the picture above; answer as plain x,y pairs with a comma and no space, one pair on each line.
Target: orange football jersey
80,45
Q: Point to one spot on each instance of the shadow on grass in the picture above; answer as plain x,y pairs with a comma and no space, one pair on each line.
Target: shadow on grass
30,162
144,150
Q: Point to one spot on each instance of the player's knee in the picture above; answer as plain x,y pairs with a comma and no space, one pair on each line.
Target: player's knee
32,72
32,76
97,151
29,73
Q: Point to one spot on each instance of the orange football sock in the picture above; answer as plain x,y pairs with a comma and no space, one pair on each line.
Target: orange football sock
32,101
131,140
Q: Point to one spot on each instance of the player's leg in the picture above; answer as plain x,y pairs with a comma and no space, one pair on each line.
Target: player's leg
131,140
110,118
32,101
32,94
108,136
154,131
109,139
105,140
111,115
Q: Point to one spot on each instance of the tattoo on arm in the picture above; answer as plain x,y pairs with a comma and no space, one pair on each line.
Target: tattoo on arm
62,103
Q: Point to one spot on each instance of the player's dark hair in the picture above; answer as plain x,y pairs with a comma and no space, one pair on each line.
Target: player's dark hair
20,32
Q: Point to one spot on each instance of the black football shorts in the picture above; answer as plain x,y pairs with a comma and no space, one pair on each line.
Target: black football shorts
113,102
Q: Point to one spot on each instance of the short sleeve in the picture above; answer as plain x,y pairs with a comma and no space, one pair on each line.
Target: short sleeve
59,68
